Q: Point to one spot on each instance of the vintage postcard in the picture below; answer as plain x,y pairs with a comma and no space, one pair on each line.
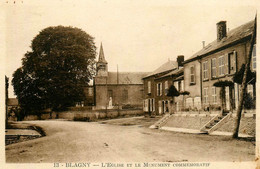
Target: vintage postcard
129,84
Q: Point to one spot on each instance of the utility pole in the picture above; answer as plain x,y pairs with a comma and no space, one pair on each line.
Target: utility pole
244,84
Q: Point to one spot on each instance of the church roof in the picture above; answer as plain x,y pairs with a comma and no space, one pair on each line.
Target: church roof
233,36
101,57
170,65
126,77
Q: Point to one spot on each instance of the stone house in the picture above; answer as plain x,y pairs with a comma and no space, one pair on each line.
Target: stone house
218,61
121,89
157,84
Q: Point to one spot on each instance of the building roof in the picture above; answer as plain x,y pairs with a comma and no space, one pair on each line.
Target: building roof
173,72
169,65
12,102
233,36
101,57
126,77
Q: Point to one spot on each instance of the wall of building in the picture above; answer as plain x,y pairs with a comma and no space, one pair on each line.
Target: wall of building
134,94
128,94
194,89
240,50
148,95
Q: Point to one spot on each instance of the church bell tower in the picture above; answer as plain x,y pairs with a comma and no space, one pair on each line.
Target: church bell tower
102,63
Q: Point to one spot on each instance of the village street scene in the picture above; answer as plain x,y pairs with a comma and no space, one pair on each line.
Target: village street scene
124,82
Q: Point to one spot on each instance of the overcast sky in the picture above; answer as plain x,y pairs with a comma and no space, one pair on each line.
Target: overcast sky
136,35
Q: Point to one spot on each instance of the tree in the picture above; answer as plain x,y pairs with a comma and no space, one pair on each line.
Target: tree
244,84
238,76
56,70
173,92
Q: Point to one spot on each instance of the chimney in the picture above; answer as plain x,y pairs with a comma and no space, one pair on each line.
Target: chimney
203,44
180,60
221,30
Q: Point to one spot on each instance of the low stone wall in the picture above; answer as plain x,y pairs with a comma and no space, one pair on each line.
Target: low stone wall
189,122
247,125
87,115
197,121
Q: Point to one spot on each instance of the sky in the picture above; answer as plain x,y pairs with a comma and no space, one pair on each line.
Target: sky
136,35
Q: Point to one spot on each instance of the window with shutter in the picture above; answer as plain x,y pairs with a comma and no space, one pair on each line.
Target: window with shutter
226,64
149,86
232,62
160,88
214,95
213,68
192,74
205,70
166,87
221,66
205,95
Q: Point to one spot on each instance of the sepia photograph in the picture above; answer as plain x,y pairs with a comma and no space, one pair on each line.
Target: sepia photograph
129,84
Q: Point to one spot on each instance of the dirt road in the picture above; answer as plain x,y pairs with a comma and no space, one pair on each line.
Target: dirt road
67,141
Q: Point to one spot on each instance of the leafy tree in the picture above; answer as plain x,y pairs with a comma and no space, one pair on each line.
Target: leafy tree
173,92
54,74
238,77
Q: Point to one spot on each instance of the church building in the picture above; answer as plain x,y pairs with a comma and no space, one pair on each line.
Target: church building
116,89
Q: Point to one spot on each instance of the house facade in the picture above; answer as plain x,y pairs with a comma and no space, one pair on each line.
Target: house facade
116,89
156,87
219,61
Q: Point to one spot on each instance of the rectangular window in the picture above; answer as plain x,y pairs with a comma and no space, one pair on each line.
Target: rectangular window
151,105
166,87
254,58
232,62
161,87
214,95
221,66
158,89
213,68
205,70
149,86
192,75
205,95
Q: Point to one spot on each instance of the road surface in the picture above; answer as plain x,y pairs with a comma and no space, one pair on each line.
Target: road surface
68,141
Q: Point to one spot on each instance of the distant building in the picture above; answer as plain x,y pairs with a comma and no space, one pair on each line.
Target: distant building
157,84
218,61
117,88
